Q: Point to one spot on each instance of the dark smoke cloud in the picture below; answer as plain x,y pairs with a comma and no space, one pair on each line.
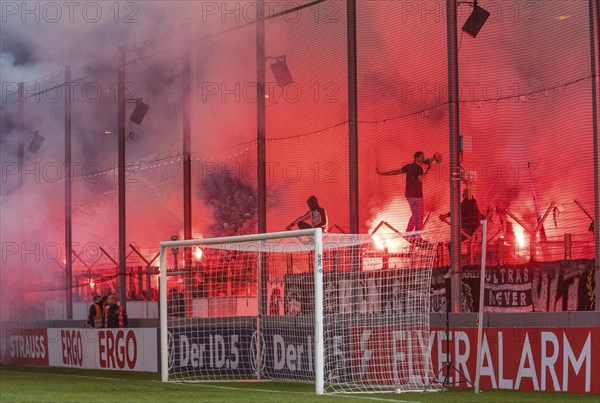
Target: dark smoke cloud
35,51
233,204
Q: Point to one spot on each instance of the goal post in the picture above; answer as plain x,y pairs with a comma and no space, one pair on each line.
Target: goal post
319,336
349,313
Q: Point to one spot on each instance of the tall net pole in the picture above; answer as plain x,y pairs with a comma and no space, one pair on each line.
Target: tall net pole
454,133
594,12
187,171
68,175
121,179
352,116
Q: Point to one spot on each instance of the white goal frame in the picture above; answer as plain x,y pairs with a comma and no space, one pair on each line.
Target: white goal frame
355,306
317,235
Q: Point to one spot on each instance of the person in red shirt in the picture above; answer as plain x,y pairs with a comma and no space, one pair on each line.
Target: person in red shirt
115,315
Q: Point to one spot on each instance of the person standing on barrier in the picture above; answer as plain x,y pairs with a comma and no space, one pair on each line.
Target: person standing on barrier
414,188
116,317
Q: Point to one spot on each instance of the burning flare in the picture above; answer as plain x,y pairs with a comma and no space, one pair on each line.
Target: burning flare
519,235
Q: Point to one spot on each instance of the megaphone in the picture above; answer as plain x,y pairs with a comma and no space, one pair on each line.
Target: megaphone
437,157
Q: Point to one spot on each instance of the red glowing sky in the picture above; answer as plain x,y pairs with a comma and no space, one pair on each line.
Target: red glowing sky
525,114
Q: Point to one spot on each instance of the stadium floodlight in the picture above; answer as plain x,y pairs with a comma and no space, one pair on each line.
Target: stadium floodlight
36,142
281,72
476,20
309,317
138,114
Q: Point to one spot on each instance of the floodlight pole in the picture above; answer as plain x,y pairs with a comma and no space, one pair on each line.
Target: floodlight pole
187,175
68,176
455,174
594,14
121,179
21,128
352,116
261,120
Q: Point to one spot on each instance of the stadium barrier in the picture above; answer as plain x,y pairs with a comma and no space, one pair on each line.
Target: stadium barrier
554,352
130,349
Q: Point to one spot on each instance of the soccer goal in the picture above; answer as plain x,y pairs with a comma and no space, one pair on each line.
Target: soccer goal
349,313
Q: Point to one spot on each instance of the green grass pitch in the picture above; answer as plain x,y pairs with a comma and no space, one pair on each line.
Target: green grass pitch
44,384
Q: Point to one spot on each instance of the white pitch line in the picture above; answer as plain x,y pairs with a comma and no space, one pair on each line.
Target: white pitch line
363,397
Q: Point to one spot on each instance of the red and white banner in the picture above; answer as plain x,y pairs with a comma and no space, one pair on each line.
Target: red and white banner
25,346
564,359
118,349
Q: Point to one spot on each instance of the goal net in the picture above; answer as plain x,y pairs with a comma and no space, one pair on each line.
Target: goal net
349,313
